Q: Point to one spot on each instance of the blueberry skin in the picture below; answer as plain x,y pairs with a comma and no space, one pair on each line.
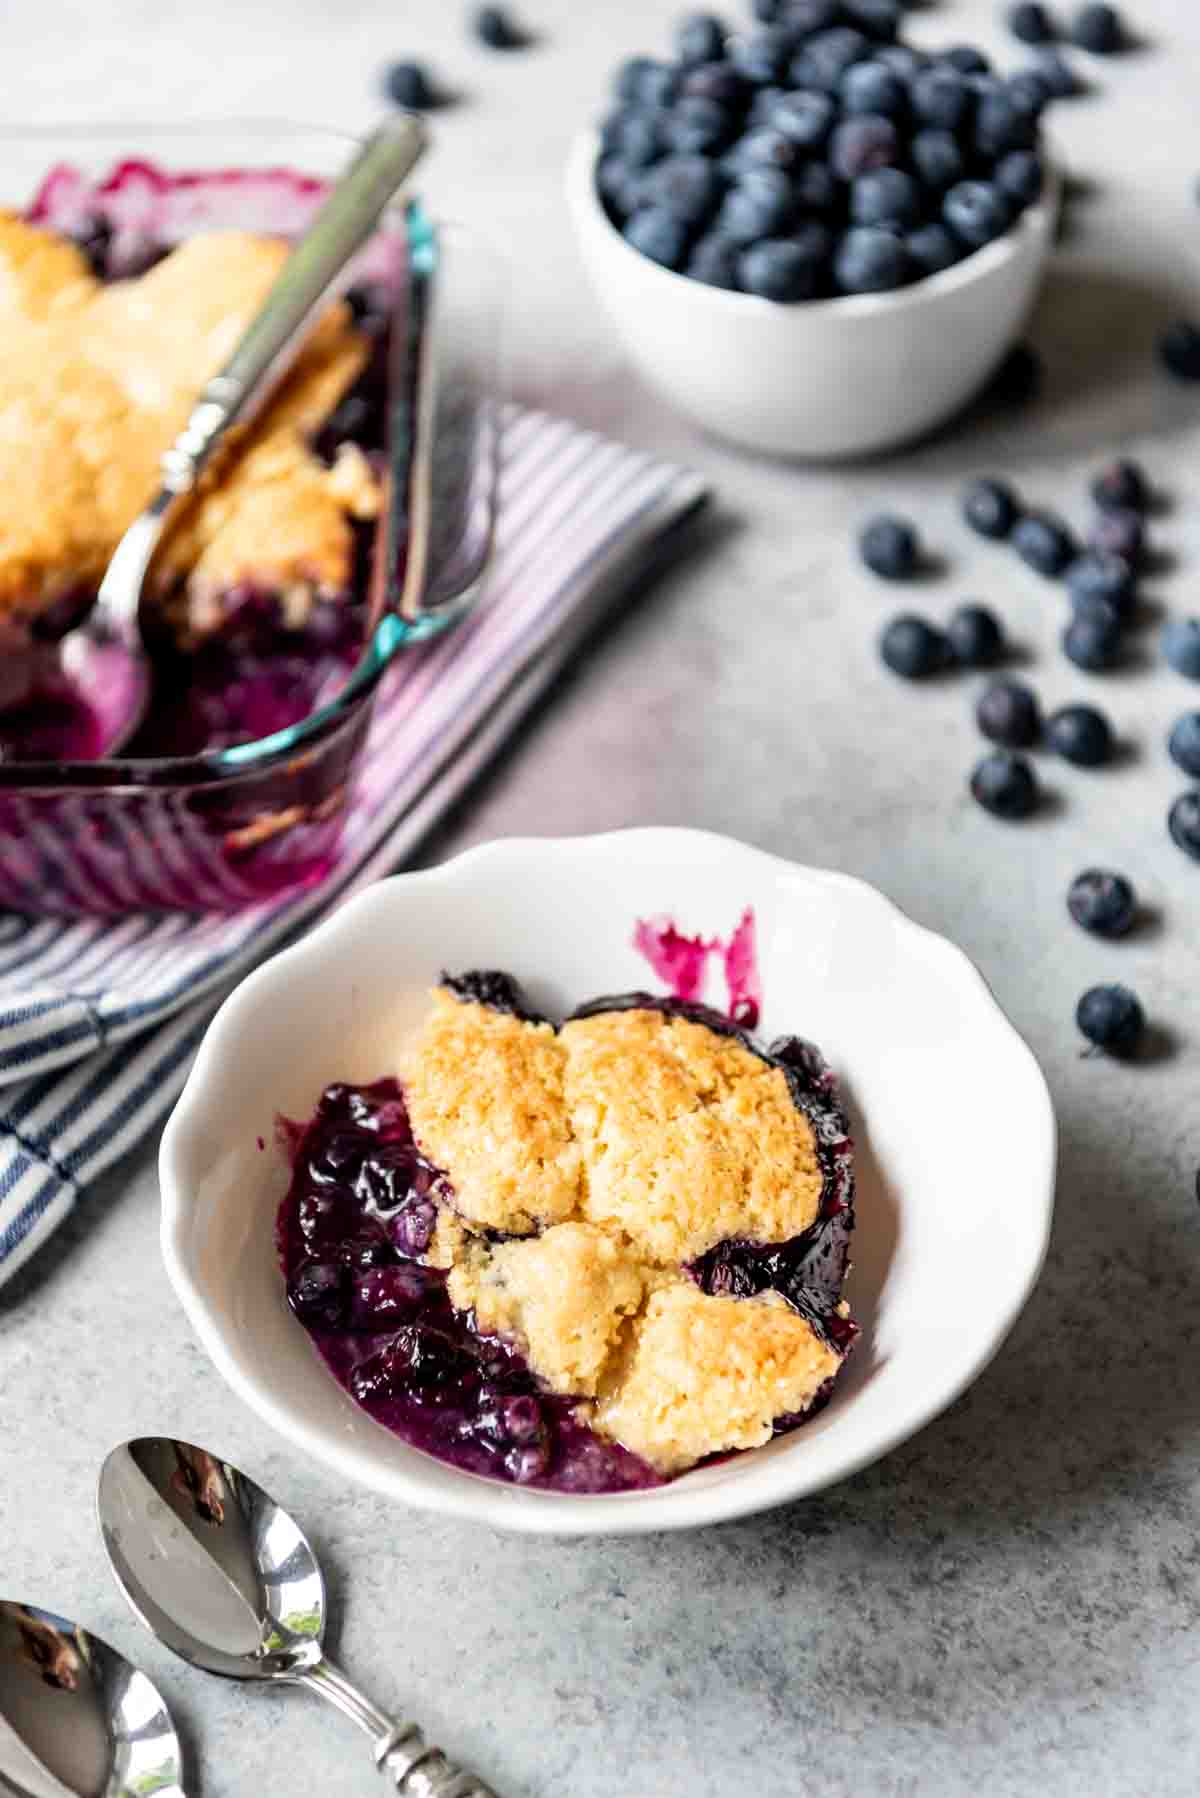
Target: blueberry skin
860,144
760,205
1181,646
767,147
1102,902
1080,734
1007,712
1183,822
1092,640
870,259
1111,1017
659,235
782,268
688,187
975,636
885,197
494,28
1044,543
889,547
763,58
1030,91
1119,534
1005,785
1058,75
1030,22
806,118
1096,577
990,507
697,124
825,58
1179,350
714,260
940,96
1020,176
966,59
937,157
1121,486
873,87
912,647
1001,125
407,85
1184,743
1098,28
699,38
619,186
635,135
932,248
977,212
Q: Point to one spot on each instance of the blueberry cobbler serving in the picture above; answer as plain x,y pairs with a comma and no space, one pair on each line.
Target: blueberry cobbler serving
584,1256
118,301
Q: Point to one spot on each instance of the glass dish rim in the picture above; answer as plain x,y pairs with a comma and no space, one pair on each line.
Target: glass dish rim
390,635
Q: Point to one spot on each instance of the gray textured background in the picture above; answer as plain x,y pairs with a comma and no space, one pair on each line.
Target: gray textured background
1009,1603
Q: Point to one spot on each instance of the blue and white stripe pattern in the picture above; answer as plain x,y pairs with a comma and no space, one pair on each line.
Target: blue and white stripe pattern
99,1018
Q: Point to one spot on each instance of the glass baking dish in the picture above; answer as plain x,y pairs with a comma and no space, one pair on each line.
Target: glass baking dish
227,827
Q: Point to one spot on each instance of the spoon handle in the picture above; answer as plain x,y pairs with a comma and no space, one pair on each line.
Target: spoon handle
417,1769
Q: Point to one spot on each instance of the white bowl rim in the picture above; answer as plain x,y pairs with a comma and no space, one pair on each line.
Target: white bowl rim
761,1485
1031,227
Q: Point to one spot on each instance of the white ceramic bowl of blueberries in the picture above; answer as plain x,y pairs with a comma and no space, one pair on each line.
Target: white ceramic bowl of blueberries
814,243
954,1141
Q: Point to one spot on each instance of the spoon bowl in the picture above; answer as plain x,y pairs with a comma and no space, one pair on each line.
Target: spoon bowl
76,1717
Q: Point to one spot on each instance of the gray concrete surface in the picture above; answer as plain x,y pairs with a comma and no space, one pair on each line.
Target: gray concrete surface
1009,1604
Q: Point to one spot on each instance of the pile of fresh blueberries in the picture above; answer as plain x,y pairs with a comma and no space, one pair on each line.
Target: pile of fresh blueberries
813,154
1101,578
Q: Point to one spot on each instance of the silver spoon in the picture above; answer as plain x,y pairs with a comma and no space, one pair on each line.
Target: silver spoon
104,656
226,1578
76,1720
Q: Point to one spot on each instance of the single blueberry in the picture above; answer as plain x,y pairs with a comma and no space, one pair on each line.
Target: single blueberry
871,259
1092,640
1030,22
1181,646
714,260
913,647
697,124
990,507
699,37
1007,712
932,248
1005,785
1102,902
1096,577
717,81
1183,822
528,1462
786,268
767,147
657,82
659,235
977,212
966,59
1080,734
636,136
1121,486
495,28
619,186
824,59
975,636
1098,28
1118,533
1001,125
319,1294
411,1230
1058,74
762,58
866,142
1030,91
1020,176
1111,1018
873,87
940,97
760,205
764,99
814,188
1184,743
688,187
804,117
1179,349
627,78
408,85
890,547
885,197
1043,541
937,157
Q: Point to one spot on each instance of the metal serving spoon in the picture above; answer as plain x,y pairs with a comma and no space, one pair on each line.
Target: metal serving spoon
76,1720
104,655
226,1578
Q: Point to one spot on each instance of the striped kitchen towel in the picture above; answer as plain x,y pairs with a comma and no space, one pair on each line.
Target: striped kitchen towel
99,1019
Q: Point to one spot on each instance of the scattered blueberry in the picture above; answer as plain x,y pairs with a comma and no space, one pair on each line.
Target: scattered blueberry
659,235
1184,743
1119,534
495,28
1008,713
937,157
1080,734
873,87
1121,486
1092,640
408,85
1179,349
1181,646
785,268
1111,1018
1183,822
700,38
885,197
1098,28
1030,22
913,647
975,636
932,248
1095,576
1005,785
977,212
1020,176
940,96
1043,542
1102,902
889,547
870,259
990,507
714,260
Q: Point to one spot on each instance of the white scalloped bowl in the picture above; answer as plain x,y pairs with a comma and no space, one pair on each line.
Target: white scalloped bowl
953,1122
